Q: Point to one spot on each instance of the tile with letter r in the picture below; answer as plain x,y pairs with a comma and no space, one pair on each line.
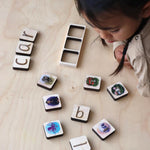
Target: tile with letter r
80,113
28,35
21,62
53,129
80,143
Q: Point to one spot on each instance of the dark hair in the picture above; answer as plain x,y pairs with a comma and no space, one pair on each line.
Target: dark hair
94,8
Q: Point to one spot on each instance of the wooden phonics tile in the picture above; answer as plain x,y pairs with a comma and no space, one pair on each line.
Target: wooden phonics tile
53,129
21,62
103,129
24,48
52,102
73,43
92,83
80,143
80,113
28,35
47,81
117,90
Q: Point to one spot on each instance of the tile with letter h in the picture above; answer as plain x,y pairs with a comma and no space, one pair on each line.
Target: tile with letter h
103,129
53,129
80,143
92,83
80,113
117,90
52,102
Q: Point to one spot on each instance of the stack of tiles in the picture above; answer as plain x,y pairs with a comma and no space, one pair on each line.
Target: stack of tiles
24,47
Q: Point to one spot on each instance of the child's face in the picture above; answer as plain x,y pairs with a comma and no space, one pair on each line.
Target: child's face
116,28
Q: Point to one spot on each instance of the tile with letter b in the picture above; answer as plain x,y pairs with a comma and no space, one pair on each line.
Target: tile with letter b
53,129
28,35
103,129
80,143
80,113
21,62
24,48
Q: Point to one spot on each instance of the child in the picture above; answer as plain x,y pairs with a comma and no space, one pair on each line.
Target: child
126,24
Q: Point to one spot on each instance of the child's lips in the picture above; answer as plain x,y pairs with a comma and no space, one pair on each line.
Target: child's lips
110,41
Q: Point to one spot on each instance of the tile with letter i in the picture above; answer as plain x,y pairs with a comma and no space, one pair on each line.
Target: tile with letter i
103,129
47,81
80,113
52,102
21,62
53,129
92,83
80,143
28,35
24,48
117,90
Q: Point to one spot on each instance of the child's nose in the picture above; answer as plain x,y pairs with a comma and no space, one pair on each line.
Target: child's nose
105,35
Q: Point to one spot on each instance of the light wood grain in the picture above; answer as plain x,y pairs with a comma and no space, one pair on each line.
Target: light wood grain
22,112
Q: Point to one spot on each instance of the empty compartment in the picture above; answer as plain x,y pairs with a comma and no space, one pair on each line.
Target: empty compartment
73,43
76,31
70,57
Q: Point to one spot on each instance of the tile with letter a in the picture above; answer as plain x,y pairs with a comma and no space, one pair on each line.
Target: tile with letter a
24,48
117,90
52,102
103,129
28,35
21,62
80,143
80,113
53,129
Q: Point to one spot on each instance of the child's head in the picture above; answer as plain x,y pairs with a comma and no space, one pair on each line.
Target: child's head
114,20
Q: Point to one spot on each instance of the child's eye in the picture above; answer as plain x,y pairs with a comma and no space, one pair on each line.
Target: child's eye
114,31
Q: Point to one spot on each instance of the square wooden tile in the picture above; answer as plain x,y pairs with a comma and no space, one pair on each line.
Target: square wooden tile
117,90
92,83
53,129
80,143
52,102
103,129
80,113
21,62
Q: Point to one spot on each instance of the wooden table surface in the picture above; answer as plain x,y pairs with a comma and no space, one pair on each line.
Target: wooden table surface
22,112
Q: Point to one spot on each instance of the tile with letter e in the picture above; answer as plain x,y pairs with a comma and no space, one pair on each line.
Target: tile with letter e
47,81
24,48
28,35
117,90
80,143
80,113
21,62
92,83
103,129
52,102
53,129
